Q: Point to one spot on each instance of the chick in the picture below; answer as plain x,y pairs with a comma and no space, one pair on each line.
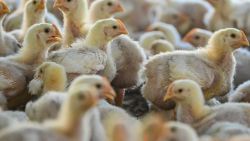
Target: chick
74,17
242,57
14,20
169,31
9,118
220,17
129,58
184,15
156,129
91,53
118,124
198,37
34,13
211,67
147,39
103,9
8,44
161,46
223,131
81,98
241,93
171,34
48,77
240,138
17,70
192,110
48,105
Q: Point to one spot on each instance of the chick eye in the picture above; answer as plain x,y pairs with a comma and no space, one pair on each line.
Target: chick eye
180,90
114,27
233,35
98,86
173,129
197,37
46,30
162,38
109,3
34,2
41,71
68,0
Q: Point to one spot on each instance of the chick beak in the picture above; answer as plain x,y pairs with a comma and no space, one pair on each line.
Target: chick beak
170,94
122,27
244,41
118,8
56,36
58,4
5,9
108,92
41,5
189,36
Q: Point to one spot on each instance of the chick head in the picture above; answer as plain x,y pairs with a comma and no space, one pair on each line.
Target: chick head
183,90
160,46
35,6
68,6
109,28
107,7
44,34
198,37
179,132
100,84
229,37
4,9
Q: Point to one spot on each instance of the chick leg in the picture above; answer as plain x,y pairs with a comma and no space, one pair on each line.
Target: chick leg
119,97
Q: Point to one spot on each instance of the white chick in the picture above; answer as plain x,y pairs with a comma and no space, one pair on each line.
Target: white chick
129,58
191,108
14,20
155,128
220,17
81,98
242,57
8,44
17,70
91,56
103,9
171,34
48,105
198,37
48,77
211,67
118,124
241,93
34,13
9,118
132,16
223,131
161,46
51,102
184,15
74,16
148,38
169,31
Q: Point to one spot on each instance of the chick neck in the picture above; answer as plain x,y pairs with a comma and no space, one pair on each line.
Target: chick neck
33,51
69,120
95,39
75,22
192,109
224,9
217,52
95,14
30,19
55,80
